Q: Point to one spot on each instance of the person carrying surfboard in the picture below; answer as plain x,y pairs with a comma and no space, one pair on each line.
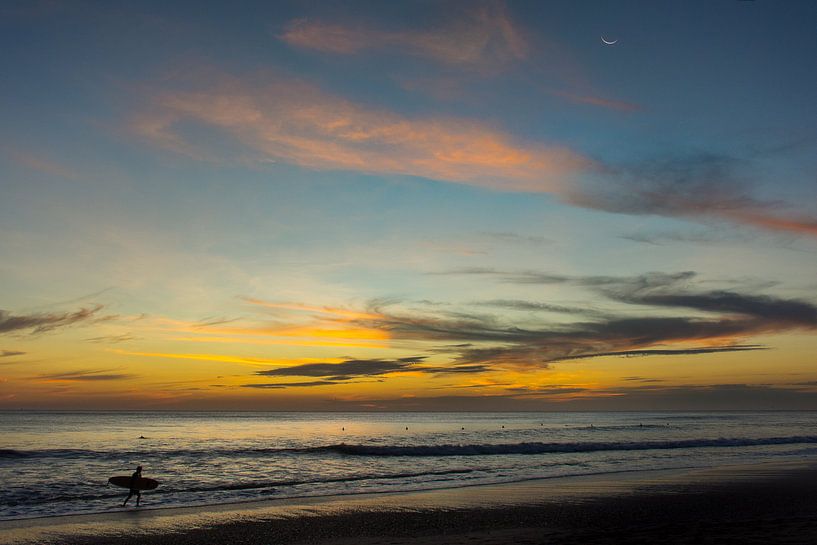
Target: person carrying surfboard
134,483
133,490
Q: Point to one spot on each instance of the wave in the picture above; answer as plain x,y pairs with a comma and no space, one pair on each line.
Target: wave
11,453
554,448
252,485
41,497
620,427
481,449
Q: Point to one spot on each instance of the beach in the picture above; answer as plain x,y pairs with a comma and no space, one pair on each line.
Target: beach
749,503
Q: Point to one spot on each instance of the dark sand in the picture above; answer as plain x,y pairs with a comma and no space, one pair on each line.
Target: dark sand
764,503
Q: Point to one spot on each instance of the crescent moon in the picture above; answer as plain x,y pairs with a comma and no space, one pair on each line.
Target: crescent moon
609,43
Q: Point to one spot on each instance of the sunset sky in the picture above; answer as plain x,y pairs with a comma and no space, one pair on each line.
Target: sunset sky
408,205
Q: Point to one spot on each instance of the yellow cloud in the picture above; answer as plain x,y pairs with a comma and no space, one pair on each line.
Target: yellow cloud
227,358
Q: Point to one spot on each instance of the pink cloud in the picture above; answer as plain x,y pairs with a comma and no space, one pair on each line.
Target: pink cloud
797,225
276,119
298,123
484,36
38,162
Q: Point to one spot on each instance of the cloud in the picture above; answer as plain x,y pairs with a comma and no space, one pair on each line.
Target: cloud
47,322
283,385
515,238
276,118
84,376
648,397
728,316
666,352
112,339
516,304
702,186
10,353
483,37
515,277
355,368
454,369
668,291
697,238
786,312
344,370
593,100
710,397
38,162
545,390
804,225
297,123
697,184
591,339
654,279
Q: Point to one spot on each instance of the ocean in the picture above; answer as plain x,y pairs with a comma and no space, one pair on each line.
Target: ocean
57,463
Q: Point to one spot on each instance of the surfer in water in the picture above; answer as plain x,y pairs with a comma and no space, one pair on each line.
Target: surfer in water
136,475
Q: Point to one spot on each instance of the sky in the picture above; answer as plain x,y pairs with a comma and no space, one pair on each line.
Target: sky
408,205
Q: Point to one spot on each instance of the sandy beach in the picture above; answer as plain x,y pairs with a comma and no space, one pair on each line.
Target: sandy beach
763,503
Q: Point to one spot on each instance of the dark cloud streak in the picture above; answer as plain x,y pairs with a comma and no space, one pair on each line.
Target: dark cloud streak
344,370
699,186
515,304
284,385
666,352
85,376
485,340
47,322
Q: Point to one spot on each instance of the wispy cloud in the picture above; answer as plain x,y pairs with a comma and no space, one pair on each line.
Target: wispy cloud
602,102
703,186
641,397
38,162
533,306
112,339
84,376
345,371
516,277
283,385
46,322
798,224
659,238
292,324
516,238
224,358
295,122
642,379
661,290
665,352
10,353
278,118
545,390
483,36
728,316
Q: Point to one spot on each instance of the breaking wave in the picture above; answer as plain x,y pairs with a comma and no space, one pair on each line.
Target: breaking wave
547,448
431,450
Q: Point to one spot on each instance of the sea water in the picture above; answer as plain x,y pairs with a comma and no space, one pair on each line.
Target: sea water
54,463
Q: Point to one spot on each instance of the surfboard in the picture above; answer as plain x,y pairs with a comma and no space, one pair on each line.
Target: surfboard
142,483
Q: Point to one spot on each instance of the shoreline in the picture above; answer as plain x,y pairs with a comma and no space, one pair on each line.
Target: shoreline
513,506
250,503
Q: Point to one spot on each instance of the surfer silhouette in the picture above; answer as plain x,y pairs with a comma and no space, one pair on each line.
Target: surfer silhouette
136,475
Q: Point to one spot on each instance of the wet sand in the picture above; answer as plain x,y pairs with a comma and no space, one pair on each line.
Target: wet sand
763,503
